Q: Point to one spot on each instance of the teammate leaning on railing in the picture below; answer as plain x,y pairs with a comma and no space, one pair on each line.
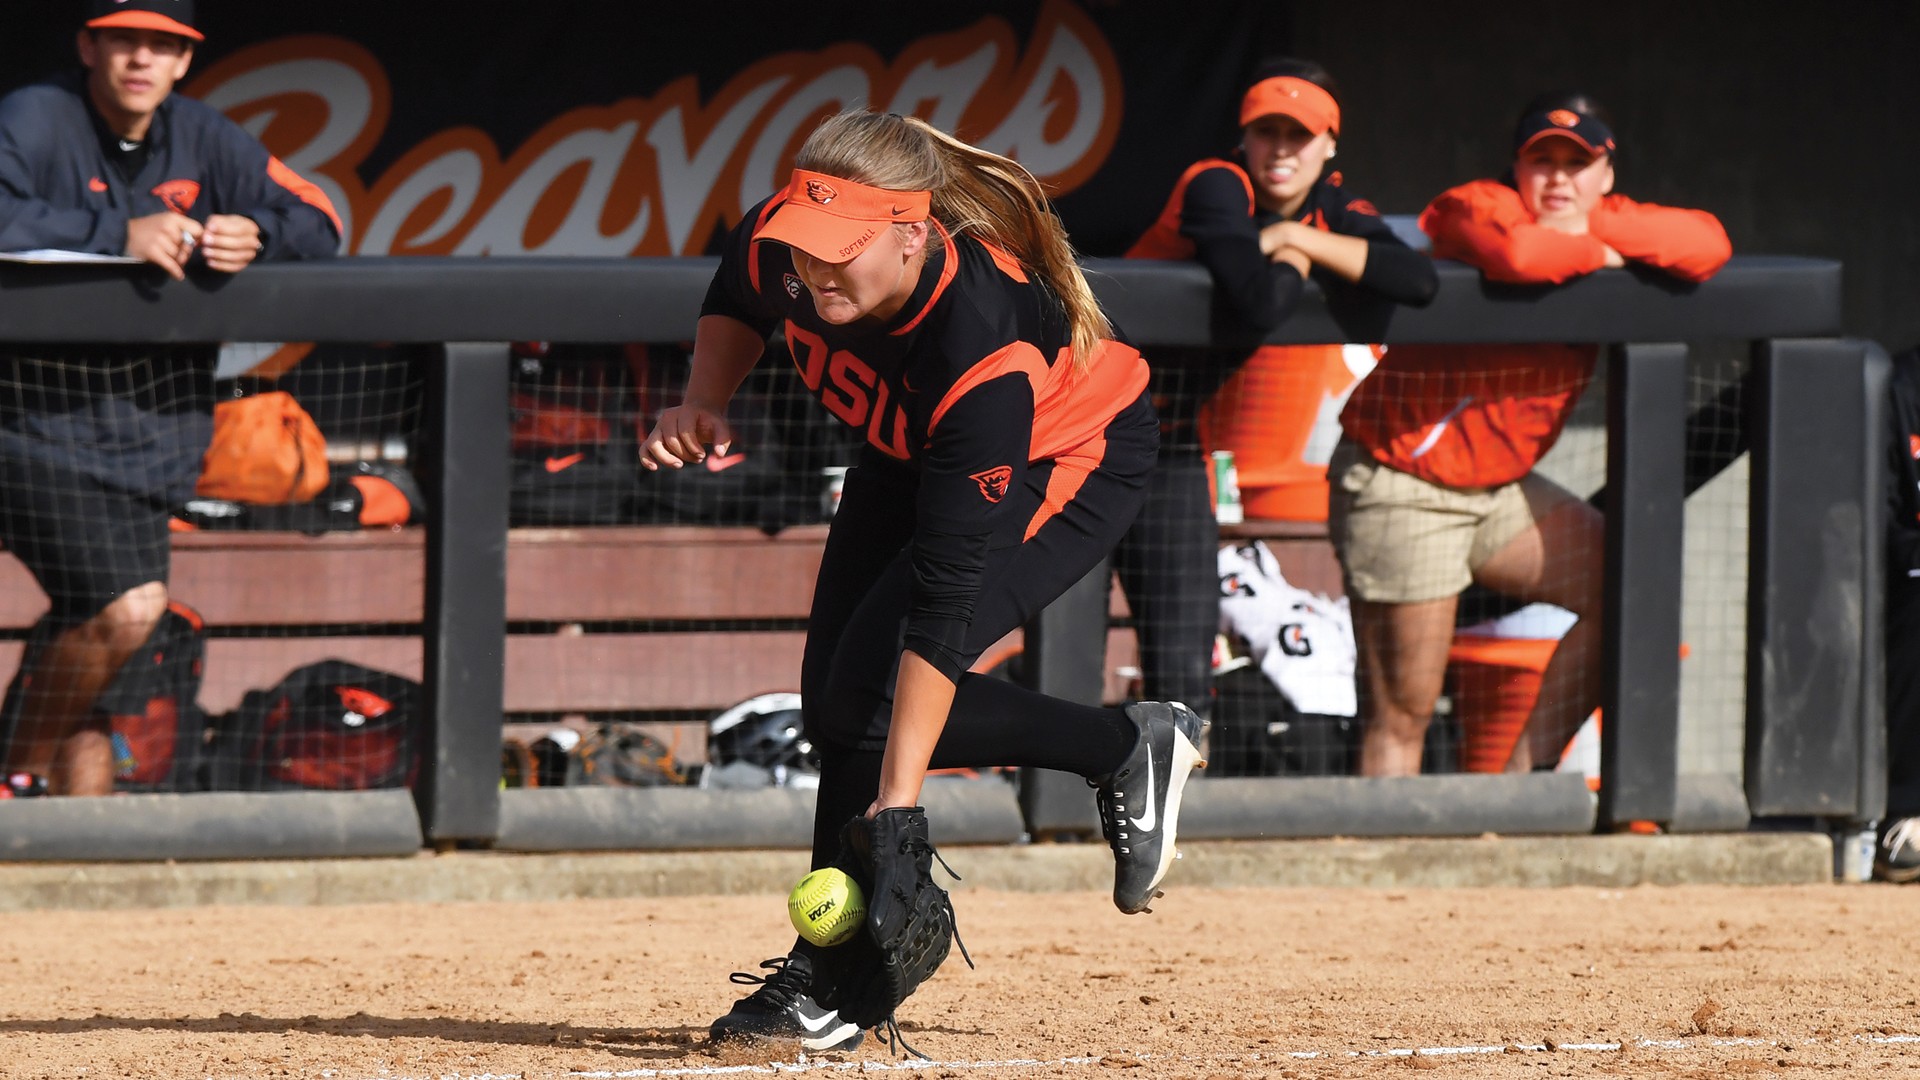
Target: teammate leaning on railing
930,298
1262,220
98,442
1433,484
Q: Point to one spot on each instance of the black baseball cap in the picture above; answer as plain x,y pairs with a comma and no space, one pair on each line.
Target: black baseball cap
167,16
1582,128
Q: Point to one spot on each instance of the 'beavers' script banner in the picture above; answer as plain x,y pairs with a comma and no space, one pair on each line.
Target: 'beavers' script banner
574,128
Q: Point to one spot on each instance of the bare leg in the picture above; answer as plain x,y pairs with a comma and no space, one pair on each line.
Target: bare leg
1403,665
57,736
1558,561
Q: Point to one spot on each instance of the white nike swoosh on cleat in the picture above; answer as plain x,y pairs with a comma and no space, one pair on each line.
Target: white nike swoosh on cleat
1146,822
817,1024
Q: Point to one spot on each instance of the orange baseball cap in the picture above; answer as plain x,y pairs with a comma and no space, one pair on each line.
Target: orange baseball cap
1586,130
833,219
167,16
1290,96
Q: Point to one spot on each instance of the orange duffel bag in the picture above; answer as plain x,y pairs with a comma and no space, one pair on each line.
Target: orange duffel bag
266,450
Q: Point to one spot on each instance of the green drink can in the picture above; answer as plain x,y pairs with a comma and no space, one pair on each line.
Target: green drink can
1226,489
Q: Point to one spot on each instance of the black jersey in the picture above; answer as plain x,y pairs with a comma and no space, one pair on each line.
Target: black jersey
971,384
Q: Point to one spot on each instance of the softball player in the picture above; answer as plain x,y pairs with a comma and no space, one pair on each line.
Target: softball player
1433,487
931,301
1262,220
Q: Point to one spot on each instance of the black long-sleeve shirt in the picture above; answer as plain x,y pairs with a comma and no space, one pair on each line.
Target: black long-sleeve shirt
1212,218
969,384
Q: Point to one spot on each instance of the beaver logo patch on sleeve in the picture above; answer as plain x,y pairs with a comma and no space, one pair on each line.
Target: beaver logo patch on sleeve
993,482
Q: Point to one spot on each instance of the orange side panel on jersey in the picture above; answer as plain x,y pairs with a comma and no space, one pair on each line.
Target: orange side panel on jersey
1076,408
1162,240
304,189
1070,472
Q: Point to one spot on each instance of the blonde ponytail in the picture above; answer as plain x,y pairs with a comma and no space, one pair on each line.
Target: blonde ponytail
974,191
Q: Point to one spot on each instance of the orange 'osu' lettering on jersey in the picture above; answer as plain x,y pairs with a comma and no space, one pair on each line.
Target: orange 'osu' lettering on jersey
993,482
851,390
178,195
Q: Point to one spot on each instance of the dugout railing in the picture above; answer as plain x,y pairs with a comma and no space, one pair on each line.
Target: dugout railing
1812,731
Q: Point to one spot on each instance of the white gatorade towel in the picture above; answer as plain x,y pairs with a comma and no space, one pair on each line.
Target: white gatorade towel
1303,641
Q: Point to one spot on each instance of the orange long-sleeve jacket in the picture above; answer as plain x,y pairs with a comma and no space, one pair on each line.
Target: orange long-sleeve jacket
1475,416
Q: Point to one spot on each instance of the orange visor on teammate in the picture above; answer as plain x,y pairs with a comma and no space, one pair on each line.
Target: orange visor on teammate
1313,107
834,220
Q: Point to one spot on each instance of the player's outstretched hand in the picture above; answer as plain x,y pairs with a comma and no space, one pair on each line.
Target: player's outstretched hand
682,435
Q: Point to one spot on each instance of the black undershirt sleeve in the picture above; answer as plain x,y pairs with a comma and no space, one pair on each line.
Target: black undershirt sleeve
977,457
1217,216
731,291
1394,271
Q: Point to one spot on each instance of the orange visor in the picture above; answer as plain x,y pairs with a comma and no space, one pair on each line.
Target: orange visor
147,20
1313,107
833,220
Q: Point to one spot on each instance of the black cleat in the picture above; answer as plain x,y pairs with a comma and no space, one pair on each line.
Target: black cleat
781,1010
1140,802
1896,856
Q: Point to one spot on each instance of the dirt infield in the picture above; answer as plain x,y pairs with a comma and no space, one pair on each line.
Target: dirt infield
1685,981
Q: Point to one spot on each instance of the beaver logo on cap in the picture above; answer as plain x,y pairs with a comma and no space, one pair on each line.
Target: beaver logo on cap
1564,118
821,192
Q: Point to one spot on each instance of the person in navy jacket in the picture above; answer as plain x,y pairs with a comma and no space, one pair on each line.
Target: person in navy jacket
97,443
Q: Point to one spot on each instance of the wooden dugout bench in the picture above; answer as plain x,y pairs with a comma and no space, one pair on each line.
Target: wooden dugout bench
600,620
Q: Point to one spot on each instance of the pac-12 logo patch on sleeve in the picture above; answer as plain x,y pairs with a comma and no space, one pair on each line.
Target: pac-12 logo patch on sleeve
791,283
993,482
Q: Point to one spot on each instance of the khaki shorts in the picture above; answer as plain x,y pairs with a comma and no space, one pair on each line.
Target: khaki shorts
1402,539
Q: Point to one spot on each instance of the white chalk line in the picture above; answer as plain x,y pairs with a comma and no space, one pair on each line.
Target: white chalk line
805,1064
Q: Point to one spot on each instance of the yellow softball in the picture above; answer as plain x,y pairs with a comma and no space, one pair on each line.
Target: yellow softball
826,906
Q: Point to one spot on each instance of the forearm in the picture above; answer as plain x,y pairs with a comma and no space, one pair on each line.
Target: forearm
1344,256
33,223
922,696
724,351
1400,274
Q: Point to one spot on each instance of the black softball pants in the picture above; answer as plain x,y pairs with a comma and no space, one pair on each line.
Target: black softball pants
858,622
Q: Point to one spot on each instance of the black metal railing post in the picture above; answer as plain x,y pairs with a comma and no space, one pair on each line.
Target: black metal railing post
1814,573
465,617
1646,517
